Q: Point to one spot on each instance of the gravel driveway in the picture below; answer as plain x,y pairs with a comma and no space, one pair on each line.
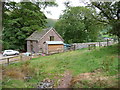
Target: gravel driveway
2,57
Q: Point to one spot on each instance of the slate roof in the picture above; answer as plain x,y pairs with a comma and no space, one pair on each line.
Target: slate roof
37,35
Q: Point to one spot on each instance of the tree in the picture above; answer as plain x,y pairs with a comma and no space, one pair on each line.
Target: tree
77,24
0,26
111,12
20,21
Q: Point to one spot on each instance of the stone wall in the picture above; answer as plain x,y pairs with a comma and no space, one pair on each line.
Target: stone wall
85,45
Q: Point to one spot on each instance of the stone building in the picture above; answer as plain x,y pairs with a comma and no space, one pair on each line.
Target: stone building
45,40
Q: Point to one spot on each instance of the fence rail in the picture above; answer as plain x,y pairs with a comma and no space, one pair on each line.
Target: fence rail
13,59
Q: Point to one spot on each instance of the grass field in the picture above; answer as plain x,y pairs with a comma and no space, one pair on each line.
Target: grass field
53,66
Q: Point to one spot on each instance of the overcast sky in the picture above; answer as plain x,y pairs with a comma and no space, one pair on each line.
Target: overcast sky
57,11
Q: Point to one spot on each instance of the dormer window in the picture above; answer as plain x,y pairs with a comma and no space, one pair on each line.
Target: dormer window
51,38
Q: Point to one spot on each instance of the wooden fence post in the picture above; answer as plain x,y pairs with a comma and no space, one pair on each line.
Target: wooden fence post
31,57
21,57
74,47
107,42
89,47
8,61
94,46
99,44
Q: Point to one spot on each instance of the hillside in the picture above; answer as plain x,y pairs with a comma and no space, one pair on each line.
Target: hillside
101,63
51,22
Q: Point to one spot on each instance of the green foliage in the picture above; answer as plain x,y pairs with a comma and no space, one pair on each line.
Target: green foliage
51,22
17,84
104,33
77,24
110,11
20,21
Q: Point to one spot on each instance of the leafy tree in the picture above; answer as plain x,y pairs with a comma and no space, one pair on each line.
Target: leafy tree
21,20
77,24
111,13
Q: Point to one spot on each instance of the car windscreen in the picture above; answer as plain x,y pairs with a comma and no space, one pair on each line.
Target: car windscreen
8,51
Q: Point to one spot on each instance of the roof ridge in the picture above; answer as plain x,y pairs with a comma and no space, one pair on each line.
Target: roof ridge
36,35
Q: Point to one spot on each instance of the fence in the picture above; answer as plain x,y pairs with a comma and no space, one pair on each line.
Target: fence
86,45
13,59
10,59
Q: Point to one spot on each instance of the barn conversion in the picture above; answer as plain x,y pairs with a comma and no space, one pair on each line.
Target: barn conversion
45,41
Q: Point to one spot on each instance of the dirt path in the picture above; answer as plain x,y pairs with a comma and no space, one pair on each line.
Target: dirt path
92,79
66,80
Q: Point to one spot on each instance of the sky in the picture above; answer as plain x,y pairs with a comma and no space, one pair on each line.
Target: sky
57,11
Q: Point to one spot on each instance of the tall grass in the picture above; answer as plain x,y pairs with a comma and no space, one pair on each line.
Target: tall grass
79,61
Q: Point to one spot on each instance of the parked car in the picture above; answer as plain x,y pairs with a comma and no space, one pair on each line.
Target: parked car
27,54
67,46
10,52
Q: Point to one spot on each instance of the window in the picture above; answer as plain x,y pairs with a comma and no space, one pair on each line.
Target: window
8,50
43,42
51,38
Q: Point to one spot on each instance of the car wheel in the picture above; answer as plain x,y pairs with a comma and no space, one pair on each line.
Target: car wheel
5,55
16,54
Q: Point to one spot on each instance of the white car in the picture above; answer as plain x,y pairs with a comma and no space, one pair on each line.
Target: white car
27,54
10,52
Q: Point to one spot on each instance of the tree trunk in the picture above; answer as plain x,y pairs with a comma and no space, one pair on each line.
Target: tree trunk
119,47
1,26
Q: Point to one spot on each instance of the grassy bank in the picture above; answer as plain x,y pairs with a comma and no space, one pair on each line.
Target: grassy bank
53,66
